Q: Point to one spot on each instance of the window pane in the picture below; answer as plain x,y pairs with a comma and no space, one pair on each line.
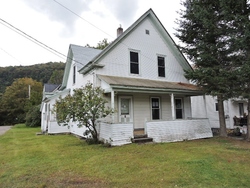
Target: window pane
216,107
155,113
178,113
134,68
161,61
178,103
155,103
134,57
125,106
161,71
161,67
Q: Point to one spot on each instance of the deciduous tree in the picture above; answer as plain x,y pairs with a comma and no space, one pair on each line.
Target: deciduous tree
19,97
84,107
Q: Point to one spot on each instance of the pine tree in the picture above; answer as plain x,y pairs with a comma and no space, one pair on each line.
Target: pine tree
207,31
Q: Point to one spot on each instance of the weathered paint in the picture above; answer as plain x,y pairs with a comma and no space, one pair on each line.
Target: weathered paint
178,130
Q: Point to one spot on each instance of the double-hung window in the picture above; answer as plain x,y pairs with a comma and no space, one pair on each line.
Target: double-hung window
134,62
155,106
161,66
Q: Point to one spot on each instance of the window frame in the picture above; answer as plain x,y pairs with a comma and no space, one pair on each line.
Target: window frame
161,66
134,63
216,107
159,107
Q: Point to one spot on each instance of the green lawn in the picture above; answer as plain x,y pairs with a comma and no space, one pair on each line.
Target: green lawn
28,160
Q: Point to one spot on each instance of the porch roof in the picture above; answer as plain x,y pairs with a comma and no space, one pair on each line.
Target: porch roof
139,84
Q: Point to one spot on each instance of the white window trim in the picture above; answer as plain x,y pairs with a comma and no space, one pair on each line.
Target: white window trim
139,61
151,115
164,56
182,107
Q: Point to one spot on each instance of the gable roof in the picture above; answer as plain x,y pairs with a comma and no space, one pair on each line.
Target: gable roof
161,29
80,56
50,87
147,85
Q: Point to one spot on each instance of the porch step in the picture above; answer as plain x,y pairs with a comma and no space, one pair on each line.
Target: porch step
142,138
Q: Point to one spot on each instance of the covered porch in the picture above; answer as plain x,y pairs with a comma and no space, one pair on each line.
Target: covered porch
159,109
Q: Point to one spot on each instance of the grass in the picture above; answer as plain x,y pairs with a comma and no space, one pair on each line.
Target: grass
28,160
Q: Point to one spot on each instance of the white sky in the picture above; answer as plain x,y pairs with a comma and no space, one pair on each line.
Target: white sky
53,25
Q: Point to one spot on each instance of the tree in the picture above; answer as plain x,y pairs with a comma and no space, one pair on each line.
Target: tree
205,30
85,107
56,77
18,99
242,44
33,117
100,45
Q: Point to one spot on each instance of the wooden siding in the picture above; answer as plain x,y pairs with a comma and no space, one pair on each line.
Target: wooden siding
231,109
172,131
54,128
116,134
149,46
74,129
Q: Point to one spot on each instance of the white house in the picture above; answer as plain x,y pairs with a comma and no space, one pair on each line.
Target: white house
142,74
232,107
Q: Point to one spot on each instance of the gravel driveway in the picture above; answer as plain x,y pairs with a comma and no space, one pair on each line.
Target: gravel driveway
4,129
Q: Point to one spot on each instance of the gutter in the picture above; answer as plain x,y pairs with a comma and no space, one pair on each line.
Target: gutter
152,90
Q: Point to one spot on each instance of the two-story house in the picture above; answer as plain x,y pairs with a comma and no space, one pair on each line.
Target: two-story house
142,74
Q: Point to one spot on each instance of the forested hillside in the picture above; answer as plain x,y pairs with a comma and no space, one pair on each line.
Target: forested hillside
21,91
39,72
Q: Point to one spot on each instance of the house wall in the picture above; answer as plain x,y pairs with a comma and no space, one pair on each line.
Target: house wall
116,134
231,109
74,129
142,107
81,80
117,62
178,130
53,126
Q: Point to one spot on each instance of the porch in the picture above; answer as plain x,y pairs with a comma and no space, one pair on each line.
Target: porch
161,131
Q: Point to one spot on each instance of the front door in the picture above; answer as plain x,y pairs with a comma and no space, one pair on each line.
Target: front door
125,109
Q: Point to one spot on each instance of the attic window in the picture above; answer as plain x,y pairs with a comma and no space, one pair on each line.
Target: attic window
147,31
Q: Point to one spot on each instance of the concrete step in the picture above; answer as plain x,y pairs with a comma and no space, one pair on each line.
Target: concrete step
142,140
140,136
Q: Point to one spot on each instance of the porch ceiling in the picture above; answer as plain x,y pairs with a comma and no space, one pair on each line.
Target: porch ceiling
146,85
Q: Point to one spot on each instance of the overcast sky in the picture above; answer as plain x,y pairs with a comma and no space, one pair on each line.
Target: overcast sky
52,23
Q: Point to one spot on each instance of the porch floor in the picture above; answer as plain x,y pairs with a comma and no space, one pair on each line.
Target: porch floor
139,132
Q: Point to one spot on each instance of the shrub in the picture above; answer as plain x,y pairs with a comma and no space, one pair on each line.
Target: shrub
33,117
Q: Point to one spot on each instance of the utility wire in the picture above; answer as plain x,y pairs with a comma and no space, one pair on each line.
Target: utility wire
10,55
81,18
32,39
98,27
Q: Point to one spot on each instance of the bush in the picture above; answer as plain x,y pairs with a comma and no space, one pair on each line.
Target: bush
33,117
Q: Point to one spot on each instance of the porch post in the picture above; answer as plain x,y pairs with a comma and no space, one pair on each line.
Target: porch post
113,104
172,106
205,104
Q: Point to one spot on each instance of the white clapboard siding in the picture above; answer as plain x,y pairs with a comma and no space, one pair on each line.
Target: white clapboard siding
54,128
172,131
74,129
116,134
117,61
